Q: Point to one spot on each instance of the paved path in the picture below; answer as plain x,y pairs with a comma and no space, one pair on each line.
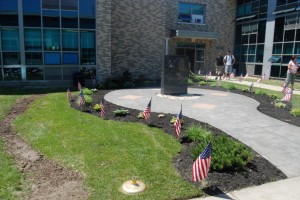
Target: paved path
235,114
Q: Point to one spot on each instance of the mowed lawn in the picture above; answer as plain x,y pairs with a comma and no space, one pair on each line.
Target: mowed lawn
10,178
107,153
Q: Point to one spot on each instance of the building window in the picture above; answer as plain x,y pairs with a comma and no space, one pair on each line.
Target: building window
9,13
33,58
34,73
50,4
32,13
69,40
69,5
11,58
51,18
52,58
70,58
51,40
10,39
88,50
33,39
87,14
69,19
12,74
191,13
53,73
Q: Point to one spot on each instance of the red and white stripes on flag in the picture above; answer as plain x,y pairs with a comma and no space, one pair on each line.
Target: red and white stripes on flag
69,95
259,80
102,111
288,95
147,110
177,123
232,75
82,99
284,88
202,164
241,77
79,86
206,77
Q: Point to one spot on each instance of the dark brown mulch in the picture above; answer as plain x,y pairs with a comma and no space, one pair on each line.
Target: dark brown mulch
257,172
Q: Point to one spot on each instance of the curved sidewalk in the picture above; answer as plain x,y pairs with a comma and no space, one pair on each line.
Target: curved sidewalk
234,114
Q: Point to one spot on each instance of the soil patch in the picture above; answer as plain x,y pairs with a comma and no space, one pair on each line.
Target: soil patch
48,179
257,172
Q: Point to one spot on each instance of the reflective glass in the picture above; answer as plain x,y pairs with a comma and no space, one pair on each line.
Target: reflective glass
33,39
34,73
297,48
197,9
51,40
52,73
51,18
9,20
69,40
277,48
8,6
32,13
10,39
11,58
258,70
33,58
12,74
251,49
69,5
87,8
50,4
275,69
70,58
52,58
289,35
69,19
297,34
288,48
87,51
69,71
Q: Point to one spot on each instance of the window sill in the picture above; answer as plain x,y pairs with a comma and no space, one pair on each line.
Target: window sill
191,23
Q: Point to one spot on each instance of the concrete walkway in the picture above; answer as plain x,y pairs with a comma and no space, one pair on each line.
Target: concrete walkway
236,115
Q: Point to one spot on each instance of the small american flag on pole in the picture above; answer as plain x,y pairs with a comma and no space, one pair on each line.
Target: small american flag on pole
202,164
147,110
259,80
232,75
102,111
79,86
69,95
284,88
288,95
177,123
251,88
241,77
82,99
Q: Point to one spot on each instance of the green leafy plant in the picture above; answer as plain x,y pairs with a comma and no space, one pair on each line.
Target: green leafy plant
273,96
295,112
121,112
97,107
141,115
202,83
260,92
229,86
280,104
245,90
213,85
173,120
87,91
199,134
88,100
190,81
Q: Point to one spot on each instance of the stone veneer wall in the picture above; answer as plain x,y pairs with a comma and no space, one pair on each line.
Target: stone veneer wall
103,38
219,18
138,37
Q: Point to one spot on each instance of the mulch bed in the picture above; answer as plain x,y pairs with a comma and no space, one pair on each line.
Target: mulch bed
257,172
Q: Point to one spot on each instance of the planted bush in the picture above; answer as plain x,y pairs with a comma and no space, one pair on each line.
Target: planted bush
295,112
273,96
87,91
227,155
280,104
97,107
121,112
260,92
88,100
173,120
229,86
190,81
202,83
141,115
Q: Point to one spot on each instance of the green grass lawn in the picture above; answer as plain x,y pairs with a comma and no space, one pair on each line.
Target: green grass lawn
273,82
10,178
107,153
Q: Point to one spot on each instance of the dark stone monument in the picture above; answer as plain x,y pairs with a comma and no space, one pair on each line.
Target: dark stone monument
175,75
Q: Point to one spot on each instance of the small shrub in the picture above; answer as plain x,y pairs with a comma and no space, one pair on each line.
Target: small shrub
245,90
196,78
88,100
190,81
229,86
202,83
295,112
87,91
280,104
273,96
173,120
97,107
121,112
213,85
199,134
260,92
140,115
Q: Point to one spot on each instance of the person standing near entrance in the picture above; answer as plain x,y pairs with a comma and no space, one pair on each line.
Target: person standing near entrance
291,72
219,66
229,61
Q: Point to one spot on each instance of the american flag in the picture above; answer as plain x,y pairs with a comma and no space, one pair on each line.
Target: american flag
202,164
69,95
259,80
206,77
251,88
177,123
147,110
102,111
246,76
82,99
241,77
79,86
263,77
288,95
232,75
284,88
209,73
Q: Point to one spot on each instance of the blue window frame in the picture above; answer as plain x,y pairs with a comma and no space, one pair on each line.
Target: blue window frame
70,58
52,58
191,13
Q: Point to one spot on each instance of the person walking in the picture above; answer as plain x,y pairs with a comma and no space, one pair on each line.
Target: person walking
219,63
229,61
291,72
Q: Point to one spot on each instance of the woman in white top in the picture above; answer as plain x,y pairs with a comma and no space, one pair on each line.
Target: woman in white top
291,72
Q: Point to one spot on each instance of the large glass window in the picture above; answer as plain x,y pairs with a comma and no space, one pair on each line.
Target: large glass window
32,13
10,39
12,74
69,40
87,14
69,19
11,58
279,27
87,51
51,40
52,58
289,35
33,39
9,13
33,58
51,18
69,71
277,48
297,48
261,32
53,73
34,73
70,58
69,5
50,4
191,13
288,48
259,53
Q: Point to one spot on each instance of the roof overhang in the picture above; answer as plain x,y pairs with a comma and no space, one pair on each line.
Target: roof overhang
194,34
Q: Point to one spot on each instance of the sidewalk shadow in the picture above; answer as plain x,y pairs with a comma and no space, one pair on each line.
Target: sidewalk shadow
216,192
